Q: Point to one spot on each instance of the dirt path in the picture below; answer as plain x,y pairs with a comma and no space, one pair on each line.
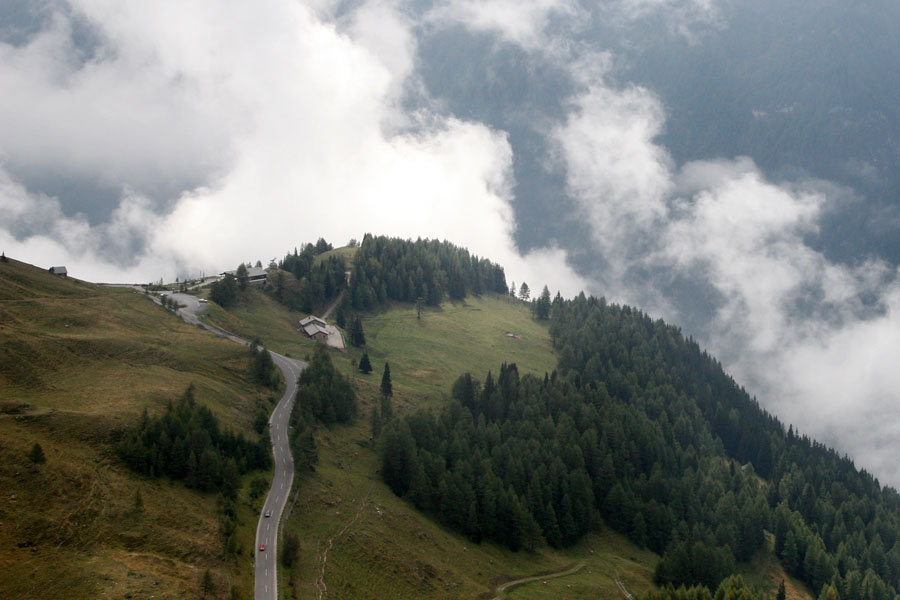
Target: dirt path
502,588
332,306
321,588
623,590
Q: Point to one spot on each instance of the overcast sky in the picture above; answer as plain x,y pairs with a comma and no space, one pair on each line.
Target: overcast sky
153,140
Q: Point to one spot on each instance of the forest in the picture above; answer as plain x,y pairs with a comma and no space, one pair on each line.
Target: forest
640,430
187,443
429,271
323,396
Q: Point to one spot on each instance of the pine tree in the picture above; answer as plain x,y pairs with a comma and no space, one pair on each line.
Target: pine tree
206,585
243,277
376,422
365,365
37,454
357,335
524,292
387,388
387,412
542,305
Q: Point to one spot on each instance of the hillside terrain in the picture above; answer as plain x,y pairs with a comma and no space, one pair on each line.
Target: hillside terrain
616,455
353,529
78,365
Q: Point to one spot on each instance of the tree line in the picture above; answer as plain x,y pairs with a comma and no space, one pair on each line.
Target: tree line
187,443
642,431
836,527
323,396
305,285
405,270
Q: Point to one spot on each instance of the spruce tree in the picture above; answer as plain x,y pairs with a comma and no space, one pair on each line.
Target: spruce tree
37,454
357,335
365,365
524,292
387,388
206,585
243,277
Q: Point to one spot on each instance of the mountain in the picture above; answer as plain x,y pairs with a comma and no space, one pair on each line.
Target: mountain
79,363
589,442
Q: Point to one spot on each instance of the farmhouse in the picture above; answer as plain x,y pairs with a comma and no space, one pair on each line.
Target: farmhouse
315,328
61,271
255,275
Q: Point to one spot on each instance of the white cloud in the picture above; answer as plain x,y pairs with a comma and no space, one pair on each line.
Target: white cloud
290,121
788,323
119,118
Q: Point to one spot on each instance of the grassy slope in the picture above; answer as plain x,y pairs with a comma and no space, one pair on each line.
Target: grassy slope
380,546
388,549
86,360
346,251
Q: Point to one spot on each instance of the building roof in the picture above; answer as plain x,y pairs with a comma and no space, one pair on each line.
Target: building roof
312,319
58,270
314,329
252,273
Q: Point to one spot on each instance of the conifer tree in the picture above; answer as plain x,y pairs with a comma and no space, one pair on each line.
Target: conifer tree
243,277
524,292
206,585
357,335
365,365
36,455
387,388
376,422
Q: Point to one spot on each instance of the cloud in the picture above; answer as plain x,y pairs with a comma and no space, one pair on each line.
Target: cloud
814,339
120,118
290,124
519,21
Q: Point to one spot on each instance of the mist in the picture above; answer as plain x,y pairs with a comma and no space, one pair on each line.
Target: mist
202,136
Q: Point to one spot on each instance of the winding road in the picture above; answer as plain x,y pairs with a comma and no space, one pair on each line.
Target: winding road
266,578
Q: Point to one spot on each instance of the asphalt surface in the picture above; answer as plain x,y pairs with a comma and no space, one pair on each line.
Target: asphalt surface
266,578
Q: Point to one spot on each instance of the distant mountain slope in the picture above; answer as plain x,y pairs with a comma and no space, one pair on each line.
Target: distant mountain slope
641,427
807,89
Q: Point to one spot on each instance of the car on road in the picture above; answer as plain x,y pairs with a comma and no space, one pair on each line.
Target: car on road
262,547
268,513
203,300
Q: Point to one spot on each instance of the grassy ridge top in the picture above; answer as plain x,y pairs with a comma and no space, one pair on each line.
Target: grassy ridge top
78,362
426,355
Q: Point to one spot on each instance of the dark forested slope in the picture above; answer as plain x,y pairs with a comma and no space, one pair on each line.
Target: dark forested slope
396,269
640,428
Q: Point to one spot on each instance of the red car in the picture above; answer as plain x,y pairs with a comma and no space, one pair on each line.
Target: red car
262,547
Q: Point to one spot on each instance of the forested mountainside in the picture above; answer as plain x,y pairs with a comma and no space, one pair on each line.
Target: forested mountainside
433,271
640,427
382,269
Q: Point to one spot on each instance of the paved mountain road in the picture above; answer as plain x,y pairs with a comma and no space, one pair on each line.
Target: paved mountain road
266,578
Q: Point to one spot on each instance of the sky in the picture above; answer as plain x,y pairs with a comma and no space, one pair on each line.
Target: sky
155,140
